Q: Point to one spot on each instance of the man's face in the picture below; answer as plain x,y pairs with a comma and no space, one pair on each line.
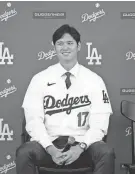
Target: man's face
67,48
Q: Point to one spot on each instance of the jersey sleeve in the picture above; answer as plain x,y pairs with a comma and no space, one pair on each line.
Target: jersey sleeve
34,113
33,97
100,102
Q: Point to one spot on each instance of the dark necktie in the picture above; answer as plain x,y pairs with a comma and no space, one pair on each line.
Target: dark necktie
67,81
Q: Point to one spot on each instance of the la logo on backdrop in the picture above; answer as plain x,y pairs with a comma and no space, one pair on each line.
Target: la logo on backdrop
93,56
5,133
5,56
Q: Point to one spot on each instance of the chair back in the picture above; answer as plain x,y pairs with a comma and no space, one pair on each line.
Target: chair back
128,111
24,136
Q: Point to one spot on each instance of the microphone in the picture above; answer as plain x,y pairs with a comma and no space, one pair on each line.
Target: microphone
70,142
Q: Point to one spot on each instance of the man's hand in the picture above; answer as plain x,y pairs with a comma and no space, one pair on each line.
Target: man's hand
56,154
72,154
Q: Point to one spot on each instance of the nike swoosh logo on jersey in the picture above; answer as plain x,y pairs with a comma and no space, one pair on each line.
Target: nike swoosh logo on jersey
49,84
65,109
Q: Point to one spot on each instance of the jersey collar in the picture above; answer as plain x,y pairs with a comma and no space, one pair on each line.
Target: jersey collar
73,71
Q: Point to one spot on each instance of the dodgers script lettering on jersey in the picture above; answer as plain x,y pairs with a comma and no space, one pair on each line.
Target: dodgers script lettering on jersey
66,104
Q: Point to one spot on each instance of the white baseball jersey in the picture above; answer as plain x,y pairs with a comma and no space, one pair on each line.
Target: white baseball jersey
52,110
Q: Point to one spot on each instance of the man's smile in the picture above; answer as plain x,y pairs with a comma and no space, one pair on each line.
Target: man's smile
65,53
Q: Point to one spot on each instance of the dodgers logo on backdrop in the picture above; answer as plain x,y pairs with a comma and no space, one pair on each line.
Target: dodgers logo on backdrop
6,167
5,133
48,55
130,55
5,57
8,14
93,55
94,16
9,90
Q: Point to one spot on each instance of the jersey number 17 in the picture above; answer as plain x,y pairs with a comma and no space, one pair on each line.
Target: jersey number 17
82,118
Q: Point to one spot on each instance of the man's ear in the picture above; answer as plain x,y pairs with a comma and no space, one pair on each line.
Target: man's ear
52,43
79,46
53,46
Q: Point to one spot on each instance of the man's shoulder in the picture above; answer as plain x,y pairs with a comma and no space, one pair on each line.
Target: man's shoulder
46,73
90,74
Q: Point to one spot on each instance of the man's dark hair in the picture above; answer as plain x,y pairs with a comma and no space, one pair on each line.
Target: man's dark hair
63,30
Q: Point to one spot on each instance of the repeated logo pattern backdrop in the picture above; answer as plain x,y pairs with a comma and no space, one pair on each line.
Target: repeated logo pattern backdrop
108,48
